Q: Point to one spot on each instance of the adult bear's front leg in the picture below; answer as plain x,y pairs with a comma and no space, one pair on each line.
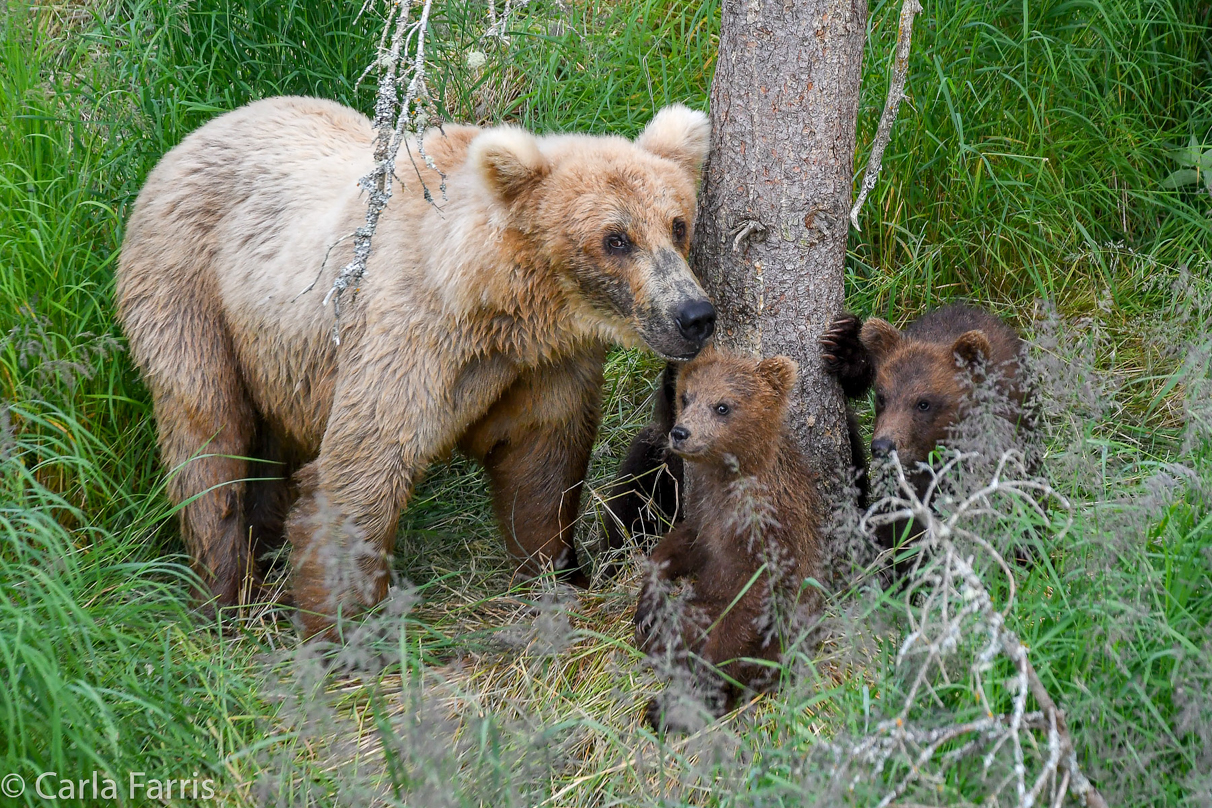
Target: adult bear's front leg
535,444
388,423
341,537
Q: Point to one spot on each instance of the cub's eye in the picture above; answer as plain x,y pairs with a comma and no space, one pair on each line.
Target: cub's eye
617,244
679,230
923,406
685,400
722,408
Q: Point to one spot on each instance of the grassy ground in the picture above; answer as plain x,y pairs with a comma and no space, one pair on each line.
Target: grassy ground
1029,164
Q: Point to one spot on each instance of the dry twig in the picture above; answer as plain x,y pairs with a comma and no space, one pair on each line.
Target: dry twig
896,92
947,604
394,121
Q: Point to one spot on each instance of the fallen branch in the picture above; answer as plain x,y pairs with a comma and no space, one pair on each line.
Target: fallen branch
1080,787
896,93
948,605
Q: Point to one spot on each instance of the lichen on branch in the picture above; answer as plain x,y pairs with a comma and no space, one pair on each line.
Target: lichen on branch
400,63
896,93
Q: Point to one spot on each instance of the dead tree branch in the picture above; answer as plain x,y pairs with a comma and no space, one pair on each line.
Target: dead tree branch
949,608
394,121
896,93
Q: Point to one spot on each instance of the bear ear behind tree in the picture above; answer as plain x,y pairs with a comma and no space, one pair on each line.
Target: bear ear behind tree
680,134
748,543
481,326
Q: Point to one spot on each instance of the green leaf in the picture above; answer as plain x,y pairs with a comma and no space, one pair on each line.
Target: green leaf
1184,176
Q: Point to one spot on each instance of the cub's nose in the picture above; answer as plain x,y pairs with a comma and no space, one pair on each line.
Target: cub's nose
696,320
679,434
882,447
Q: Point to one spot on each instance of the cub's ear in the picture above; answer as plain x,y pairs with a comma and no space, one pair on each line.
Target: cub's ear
973,348
879,337
680,134
779,372
509,160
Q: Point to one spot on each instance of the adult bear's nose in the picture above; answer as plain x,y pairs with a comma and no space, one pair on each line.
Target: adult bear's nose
679,434
696,320
882,447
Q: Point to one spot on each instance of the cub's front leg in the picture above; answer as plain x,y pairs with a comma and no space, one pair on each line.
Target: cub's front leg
644,497
722,643
678,555
845,357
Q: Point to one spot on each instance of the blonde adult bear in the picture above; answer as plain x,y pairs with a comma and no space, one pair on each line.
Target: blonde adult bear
481,323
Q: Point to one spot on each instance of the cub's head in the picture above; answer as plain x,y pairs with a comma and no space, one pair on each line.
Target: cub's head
920,388
731,406
614,218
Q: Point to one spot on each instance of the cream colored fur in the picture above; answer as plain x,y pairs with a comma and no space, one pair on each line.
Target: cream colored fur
492,303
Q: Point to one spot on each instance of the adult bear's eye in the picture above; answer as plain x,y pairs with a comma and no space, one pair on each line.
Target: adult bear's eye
679,231
923,406
617,244
722,408
879,401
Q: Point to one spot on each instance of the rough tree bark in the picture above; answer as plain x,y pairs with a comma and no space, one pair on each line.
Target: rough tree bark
771,232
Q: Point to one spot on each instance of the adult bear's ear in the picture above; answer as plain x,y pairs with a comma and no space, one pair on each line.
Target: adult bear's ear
779,372
509,160
972,348
680,134
879,337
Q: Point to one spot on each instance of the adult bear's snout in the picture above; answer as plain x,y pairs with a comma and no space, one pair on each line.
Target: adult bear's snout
673,314
695,320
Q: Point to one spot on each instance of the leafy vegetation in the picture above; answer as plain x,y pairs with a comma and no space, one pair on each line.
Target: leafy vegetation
1039,156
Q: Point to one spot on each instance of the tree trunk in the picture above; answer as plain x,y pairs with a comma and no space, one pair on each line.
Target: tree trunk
771,231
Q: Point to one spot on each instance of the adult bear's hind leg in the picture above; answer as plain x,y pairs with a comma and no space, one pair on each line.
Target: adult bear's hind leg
179,338
204,442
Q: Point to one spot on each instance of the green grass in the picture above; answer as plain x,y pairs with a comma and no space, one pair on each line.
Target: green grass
1027,163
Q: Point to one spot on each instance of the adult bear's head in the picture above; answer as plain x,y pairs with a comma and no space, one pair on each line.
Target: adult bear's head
614,218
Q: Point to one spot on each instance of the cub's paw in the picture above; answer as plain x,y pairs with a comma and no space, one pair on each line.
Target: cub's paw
654,715
844,357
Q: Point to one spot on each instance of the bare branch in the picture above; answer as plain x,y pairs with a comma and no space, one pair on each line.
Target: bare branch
896,93
947,605
394,121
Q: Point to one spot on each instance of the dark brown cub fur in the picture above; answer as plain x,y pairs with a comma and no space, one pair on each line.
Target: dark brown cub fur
923,377
643,499
750,537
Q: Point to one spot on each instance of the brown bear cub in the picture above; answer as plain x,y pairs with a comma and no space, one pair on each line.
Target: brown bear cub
644,499
924,381
748,542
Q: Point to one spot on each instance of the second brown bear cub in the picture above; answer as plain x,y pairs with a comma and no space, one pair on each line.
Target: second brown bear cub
750,536
922,376
924,381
